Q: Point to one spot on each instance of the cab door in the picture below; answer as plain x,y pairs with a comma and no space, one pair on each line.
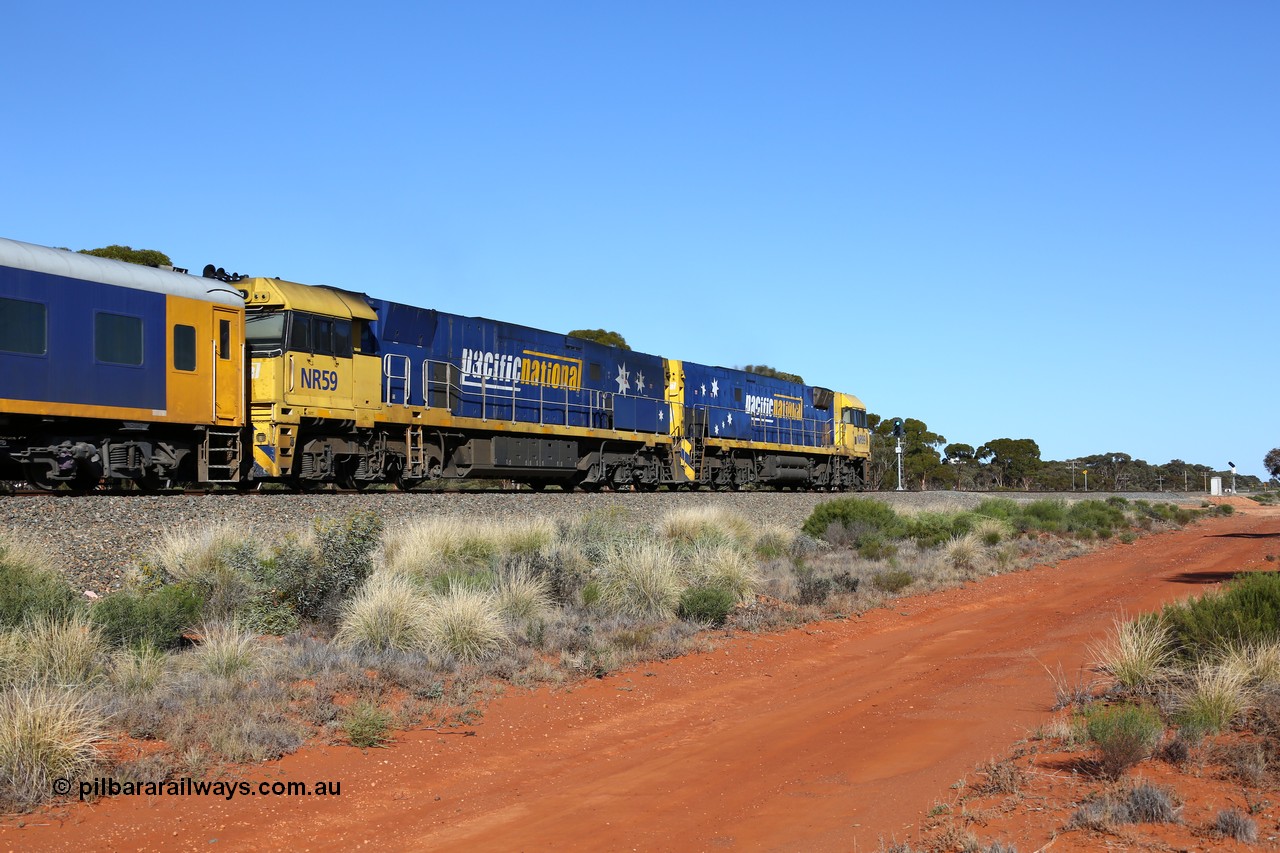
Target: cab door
228,367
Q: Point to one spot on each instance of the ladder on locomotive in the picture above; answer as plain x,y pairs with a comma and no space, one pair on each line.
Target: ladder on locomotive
416,452
219,459
698,433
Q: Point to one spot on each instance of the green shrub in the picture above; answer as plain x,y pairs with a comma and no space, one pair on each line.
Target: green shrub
709,604
366,724
931,529
872,546
30,586
872,516
1125,734
894,580
1095,518
158,618
1246,611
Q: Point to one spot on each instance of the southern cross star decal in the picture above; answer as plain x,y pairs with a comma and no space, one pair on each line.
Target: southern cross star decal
704,390
660,416
717,429
622,380
731,419
715,388
640,382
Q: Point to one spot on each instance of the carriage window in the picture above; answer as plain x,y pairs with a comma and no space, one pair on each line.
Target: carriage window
184,347
117,339
737,395
593,372
224,340
23,327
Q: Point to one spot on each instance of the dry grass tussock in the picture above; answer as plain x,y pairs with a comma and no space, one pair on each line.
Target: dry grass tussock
20,549
1136,653
431,546
1216,694
692,526
465,623
60,651
642,582
46,733
521,595
723,566
1260,660
199,555
227,651
964,553
389,612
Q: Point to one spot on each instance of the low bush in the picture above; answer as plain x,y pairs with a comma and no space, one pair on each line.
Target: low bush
871,516
1125,734
1246,611
157,618
30,586
708,604
366,724
893,580
1234,823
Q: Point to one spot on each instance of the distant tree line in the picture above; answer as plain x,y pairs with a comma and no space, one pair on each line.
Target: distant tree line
930,462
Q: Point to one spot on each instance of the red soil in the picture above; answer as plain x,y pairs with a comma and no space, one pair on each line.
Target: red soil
832,737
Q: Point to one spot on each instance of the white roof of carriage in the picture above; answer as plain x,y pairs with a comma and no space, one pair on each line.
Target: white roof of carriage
63,262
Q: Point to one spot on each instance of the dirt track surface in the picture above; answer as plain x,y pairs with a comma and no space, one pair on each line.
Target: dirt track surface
827,738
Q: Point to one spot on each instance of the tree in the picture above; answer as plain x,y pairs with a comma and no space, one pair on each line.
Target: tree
1015,460
920,457
766,370
1272,462
142,257
959,456
601,336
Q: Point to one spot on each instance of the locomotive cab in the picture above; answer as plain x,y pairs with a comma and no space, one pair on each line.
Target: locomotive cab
311,349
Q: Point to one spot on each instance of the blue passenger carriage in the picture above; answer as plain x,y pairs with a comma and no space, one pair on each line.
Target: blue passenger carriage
117,371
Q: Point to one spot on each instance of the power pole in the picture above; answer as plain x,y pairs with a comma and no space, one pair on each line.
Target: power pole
1160,481
1072,465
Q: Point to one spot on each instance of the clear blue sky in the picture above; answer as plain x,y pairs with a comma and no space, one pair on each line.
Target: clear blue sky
1057,221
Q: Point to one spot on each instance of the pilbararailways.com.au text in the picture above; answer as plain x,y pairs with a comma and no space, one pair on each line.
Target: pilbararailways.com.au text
188,787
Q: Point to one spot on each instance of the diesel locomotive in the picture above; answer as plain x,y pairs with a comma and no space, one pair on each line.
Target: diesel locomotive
113,373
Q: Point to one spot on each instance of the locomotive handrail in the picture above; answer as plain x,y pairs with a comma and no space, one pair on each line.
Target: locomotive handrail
290,388
406,377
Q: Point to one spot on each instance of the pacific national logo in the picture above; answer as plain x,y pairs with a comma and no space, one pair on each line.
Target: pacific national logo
495,370
775,407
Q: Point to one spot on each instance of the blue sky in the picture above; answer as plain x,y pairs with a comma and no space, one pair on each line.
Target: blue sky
1025,220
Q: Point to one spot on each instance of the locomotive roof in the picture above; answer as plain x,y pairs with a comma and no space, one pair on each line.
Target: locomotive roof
62,262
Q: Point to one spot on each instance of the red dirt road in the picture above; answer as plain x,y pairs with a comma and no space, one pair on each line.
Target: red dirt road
826,738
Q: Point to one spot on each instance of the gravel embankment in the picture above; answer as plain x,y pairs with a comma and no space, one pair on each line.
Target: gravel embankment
98,537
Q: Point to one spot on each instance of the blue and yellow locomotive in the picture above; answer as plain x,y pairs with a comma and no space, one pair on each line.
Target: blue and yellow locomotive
259,379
